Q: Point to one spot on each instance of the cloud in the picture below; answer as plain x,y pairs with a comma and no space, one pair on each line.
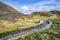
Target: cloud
41,6
25,8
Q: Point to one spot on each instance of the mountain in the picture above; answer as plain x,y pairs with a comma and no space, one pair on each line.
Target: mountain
56,12
41,13
53,13
8,12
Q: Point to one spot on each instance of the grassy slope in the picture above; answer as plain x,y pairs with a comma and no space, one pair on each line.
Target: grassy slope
7,17
9,25
50,34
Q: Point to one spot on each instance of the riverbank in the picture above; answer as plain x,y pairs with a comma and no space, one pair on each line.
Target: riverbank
28,31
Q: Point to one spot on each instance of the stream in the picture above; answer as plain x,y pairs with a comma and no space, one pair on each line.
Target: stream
46,25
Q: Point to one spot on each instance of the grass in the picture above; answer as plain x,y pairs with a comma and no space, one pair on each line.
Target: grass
9,26
52,33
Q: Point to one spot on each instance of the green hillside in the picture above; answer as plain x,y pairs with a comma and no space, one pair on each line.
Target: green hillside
11,20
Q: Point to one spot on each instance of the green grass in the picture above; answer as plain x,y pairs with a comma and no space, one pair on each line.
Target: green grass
9,26
52,33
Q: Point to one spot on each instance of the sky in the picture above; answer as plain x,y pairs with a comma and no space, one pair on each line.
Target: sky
28,6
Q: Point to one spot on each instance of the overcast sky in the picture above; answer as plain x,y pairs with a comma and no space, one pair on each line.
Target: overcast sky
28,6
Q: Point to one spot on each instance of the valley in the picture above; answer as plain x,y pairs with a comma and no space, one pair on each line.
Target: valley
15,25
